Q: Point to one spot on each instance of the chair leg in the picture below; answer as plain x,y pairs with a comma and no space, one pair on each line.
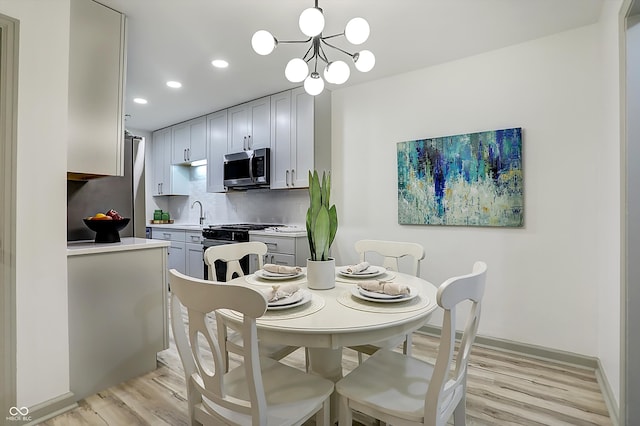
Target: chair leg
459,414
407,345
345,417
323,415
306,360
360,358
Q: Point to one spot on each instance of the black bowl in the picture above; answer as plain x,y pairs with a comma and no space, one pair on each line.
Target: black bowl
107,231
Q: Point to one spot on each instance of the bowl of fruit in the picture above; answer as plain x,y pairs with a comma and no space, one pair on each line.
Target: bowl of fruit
107,226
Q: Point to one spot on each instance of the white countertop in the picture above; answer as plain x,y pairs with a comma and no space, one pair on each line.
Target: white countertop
181,226
292,231
75,248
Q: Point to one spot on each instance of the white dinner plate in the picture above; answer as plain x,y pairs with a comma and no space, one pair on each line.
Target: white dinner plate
375,295
265,275
370,272
295,297
413,292
305,297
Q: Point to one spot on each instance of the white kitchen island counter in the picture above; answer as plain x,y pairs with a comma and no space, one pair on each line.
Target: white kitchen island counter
118,313
75,248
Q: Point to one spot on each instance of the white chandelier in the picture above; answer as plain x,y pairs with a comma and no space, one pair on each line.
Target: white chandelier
306,68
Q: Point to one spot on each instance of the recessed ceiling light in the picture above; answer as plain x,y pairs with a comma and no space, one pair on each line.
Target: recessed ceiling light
220,63
139,100
174,84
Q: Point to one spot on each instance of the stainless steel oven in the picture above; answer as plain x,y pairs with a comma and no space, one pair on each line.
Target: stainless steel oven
216,235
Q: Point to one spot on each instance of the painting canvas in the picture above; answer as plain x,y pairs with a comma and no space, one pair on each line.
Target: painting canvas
471,179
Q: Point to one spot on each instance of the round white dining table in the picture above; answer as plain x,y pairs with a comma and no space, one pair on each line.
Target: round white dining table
335,318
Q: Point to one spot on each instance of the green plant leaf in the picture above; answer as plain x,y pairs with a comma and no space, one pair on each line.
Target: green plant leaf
321,233
333,224
312,247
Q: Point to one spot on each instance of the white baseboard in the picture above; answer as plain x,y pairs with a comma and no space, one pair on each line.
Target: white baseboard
607,394
51,408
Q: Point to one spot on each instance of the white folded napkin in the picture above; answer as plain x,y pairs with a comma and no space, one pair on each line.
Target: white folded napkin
277,292
385,287
354,269
281,269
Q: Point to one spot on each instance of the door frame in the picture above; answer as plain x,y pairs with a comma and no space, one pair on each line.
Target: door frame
9,31
630,296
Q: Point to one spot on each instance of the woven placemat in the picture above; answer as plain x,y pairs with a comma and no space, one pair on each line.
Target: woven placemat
314,305
415,304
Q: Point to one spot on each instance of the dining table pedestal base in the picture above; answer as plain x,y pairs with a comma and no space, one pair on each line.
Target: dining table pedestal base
327,363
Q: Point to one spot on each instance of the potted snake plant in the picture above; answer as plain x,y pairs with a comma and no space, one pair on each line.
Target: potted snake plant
322,224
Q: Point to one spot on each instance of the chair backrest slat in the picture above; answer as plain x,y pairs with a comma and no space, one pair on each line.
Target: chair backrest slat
231,254
445,388
392,251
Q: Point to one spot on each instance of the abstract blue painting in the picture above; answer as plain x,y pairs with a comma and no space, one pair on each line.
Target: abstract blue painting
473,179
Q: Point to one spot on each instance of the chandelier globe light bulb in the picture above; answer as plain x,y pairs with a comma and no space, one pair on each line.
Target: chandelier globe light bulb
357,31
311,21
337,72
314,85
263,42
296,71
365,61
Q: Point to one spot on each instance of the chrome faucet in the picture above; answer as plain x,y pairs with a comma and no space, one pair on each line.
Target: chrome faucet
201,215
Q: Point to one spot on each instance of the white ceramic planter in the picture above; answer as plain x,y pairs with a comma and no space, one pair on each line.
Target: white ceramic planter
321,274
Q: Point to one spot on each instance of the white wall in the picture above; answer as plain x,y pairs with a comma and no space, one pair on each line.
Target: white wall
41,261
542,283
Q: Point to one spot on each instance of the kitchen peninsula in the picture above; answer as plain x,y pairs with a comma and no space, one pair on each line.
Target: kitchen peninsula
117,311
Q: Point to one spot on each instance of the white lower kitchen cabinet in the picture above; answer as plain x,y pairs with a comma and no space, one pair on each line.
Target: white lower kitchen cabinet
185,252
194,261
289,249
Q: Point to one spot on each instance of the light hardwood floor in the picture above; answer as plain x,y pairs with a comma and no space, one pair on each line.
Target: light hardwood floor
503,389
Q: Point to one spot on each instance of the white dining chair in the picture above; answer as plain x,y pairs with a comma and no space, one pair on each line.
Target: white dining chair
389,253
230,339
259,392
401,390
231,254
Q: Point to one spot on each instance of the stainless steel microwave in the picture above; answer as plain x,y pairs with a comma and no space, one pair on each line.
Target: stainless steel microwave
247,169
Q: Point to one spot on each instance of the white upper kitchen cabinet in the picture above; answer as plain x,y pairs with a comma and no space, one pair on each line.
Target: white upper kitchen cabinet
96,89
216,149
167,178
250,126
300,137
189,141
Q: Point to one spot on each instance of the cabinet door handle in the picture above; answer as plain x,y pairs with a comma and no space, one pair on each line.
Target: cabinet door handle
249,144
286,178
158,188
292,176
188,154
244,143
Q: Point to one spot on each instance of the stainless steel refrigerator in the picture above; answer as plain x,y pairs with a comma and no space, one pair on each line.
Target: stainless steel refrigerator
124,194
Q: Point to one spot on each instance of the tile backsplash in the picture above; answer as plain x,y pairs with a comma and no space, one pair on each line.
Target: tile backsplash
253,206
